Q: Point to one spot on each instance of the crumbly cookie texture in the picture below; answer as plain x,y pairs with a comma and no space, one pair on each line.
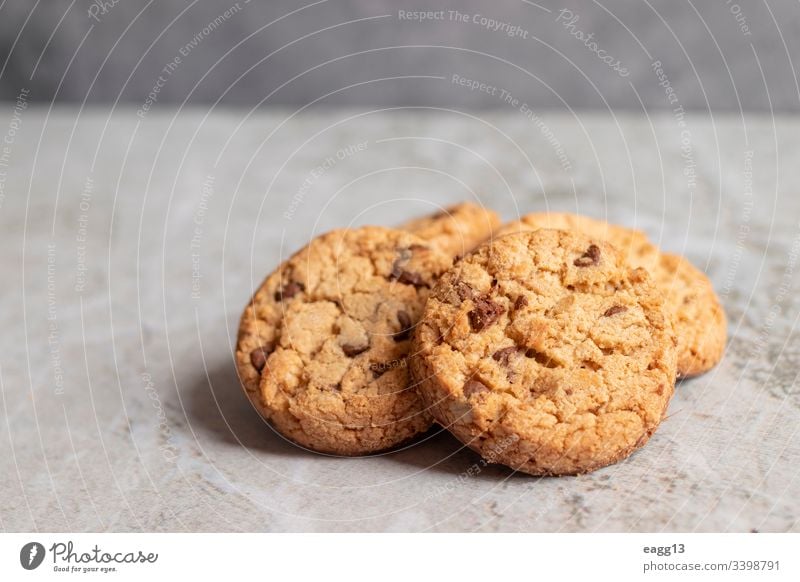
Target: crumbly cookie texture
323,344
543,351
456,230
700,322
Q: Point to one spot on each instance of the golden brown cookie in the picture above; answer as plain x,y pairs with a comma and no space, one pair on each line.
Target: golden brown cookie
699,318
545,352
456,230
322,346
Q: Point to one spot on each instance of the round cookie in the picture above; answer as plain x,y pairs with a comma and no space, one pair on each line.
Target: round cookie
323,343
543,351
700,323
456,230
699,319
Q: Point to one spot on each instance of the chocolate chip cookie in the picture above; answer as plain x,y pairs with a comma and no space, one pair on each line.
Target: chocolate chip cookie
699,319
456,230
700,322
545,352
323,344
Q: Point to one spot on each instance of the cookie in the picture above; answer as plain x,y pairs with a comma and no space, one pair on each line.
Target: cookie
700,322
545,352
456,230
632,242
699,319
323,345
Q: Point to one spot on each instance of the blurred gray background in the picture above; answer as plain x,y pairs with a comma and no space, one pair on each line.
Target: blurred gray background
716,55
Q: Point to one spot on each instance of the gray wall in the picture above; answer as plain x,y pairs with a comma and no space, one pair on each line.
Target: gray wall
716,54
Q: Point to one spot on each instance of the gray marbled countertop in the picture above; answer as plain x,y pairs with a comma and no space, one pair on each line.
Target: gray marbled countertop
131,244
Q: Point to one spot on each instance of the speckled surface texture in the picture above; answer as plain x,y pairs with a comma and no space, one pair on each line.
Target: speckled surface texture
131,245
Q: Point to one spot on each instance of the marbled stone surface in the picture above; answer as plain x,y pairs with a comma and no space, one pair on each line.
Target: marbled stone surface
130,246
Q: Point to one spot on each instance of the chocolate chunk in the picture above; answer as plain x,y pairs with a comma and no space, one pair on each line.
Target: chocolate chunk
289,290
614,310
541,358
401,274
520,302
352,350
486,312
258,357
404,319
464,291
409,278
474,387
589,258
504,355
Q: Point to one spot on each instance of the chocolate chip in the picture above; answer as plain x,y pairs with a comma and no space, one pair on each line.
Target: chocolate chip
352,350
289,290
401,274
409,278
504,355
464,291
541,358
520,302
404,319
474,387
258,357
614,310
486,312
589,258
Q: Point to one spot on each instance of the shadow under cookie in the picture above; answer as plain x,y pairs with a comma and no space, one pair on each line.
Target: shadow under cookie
217,407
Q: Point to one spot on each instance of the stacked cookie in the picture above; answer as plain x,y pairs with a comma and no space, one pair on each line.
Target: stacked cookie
324,344
553,347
